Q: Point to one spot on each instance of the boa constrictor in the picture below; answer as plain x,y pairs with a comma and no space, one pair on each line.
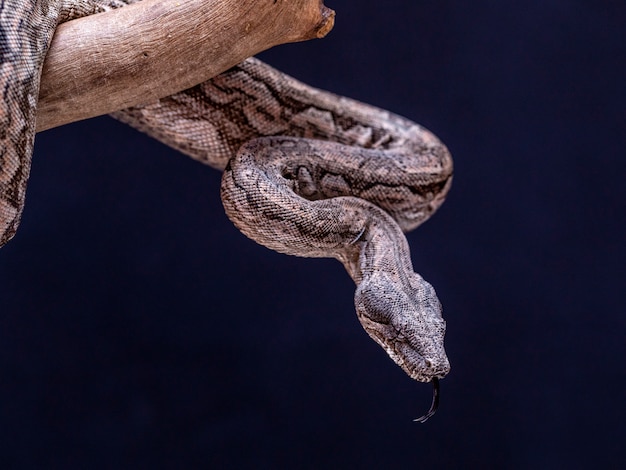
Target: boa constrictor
306,172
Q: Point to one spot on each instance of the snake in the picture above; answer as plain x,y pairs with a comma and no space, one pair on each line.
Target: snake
305,172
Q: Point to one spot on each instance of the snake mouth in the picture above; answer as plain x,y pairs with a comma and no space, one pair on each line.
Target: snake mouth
421,357
418,365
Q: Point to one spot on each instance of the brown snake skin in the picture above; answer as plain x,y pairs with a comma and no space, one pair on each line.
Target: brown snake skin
306,172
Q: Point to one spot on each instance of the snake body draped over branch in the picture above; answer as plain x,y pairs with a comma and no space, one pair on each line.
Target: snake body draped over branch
306,172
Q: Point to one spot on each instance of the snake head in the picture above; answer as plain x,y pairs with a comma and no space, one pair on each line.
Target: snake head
406,321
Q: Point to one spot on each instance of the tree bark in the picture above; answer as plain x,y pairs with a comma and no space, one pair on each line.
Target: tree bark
145,51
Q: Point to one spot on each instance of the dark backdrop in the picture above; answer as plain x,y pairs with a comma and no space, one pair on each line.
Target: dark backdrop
140,329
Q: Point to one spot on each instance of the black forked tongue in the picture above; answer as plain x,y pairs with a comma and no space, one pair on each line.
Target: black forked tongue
434,405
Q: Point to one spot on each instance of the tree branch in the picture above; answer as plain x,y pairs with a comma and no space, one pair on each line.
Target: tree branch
151,49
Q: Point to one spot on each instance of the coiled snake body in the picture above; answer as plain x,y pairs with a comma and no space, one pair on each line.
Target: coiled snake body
306,172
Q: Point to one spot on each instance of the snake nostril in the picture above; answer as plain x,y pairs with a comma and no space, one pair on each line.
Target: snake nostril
428,363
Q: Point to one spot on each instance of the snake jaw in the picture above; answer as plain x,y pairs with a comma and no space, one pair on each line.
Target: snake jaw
409,354
418,366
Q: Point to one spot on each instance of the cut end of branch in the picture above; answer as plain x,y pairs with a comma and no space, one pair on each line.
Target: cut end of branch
327,23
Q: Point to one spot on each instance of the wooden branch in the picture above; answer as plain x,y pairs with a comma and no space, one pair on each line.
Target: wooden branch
151,49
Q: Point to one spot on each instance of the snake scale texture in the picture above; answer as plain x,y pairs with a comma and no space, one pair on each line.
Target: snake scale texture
306,172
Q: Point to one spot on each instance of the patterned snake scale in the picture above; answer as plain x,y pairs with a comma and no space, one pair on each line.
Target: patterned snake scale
306,172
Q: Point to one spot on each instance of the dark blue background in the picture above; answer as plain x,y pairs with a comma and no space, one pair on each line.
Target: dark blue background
140,329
